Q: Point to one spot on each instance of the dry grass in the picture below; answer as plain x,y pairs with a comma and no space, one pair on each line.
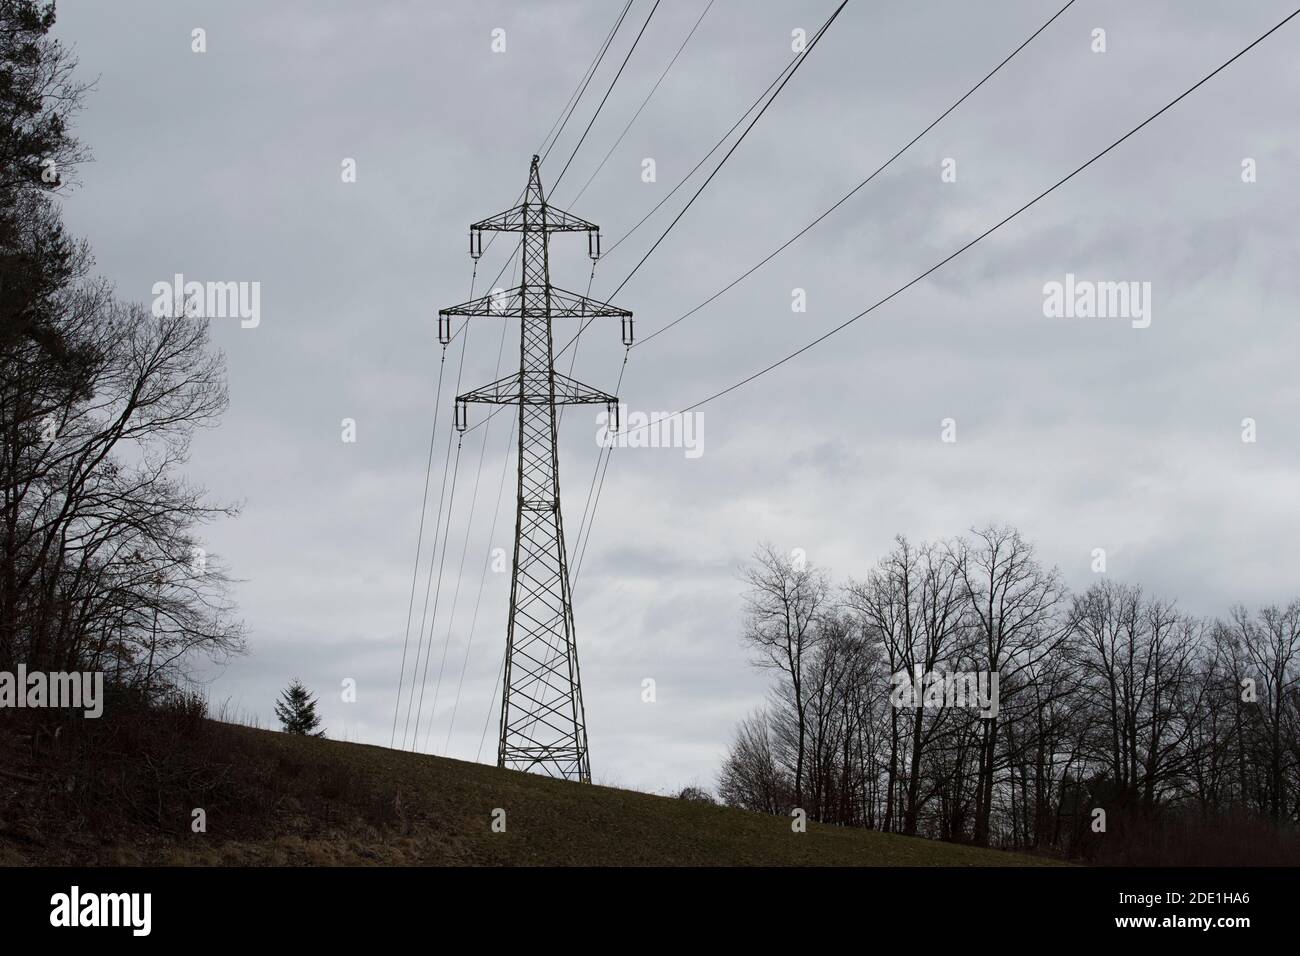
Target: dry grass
274,799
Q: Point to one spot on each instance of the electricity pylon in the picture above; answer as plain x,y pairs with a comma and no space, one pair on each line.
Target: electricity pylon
543,724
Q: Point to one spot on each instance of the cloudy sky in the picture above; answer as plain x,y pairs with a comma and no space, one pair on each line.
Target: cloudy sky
1084,432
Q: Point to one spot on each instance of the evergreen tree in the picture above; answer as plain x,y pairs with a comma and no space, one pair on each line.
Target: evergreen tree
296,709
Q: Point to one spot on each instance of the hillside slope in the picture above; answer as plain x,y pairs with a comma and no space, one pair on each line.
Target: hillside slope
270,798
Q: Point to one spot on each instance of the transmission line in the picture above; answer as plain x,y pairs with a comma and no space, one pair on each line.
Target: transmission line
487,559
437,597
601,104
419,544
852,192
705,158
566,112
939,265
637,114
429,582
934,268
590,75
464,550
788,75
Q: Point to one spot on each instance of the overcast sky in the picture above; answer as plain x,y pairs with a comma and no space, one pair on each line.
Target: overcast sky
1083,432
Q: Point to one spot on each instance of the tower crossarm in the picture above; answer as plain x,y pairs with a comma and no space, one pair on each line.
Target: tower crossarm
525,216
509,303
533,390
570,305
534,216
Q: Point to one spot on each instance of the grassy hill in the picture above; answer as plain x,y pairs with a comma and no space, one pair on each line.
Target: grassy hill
275,799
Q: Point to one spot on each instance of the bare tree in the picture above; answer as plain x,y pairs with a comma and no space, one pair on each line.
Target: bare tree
1121,701
99,562
912,602
1139,657
100,565
750,777
1013,603
786,596
1271,645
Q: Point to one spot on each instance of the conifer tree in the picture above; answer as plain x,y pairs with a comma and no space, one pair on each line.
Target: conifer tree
296,709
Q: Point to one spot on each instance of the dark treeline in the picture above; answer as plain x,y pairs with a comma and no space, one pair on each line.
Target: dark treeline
99,566
1182,730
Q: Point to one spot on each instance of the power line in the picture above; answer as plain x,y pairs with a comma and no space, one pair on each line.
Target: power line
852,192
968,245
429,582
601,105
487,559
566,111
1050,189
662,75
582,83
519,242
577,570
590,75
786,75
596,172
637,114
573,359
705,158
495,516
734,146
419,546
589,522
722,162
424,611
464,550
419,537
446,538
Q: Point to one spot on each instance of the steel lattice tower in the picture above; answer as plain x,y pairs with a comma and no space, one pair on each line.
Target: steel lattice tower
543,724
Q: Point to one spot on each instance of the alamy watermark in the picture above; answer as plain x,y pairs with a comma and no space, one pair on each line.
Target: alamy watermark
130,910
40,689
651,430
209,300
975,690
1085,299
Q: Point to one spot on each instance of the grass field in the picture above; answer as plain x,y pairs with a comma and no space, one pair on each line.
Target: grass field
276,799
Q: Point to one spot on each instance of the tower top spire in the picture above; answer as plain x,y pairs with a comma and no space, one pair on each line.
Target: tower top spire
535,180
